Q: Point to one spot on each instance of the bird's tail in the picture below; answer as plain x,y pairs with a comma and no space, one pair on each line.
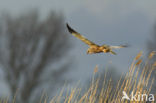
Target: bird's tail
118,47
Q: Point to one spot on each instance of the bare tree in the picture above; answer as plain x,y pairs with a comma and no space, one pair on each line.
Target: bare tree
33,52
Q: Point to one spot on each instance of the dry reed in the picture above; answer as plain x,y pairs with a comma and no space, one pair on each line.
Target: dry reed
137,80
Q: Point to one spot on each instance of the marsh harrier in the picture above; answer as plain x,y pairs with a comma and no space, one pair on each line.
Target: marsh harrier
94,48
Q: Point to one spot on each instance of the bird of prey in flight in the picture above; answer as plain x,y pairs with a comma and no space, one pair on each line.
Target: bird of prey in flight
94,48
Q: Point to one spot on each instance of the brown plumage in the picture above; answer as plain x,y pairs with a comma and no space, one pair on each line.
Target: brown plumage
94,48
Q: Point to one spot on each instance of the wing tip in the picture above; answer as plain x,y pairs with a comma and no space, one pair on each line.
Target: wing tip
70,29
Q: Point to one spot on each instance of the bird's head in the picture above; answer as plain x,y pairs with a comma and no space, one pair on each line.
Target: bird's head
89,51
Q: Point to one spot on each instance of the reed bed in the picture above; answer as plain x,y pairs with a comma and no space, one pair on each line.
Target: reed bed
137,80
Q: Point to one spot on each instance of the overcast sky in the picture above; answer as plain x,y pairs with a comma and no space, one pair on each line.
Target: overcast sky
111,22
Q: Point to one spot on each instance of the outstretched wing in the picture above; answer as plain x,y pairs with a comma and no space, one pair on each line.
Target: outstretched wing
79,36
118,47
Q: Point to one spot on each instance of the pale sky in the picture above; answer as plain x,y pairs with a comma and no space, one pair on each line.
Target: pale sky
111,22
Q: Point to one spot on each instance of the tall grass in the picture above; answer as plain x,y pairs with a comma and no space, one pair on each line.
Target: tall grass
138,80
